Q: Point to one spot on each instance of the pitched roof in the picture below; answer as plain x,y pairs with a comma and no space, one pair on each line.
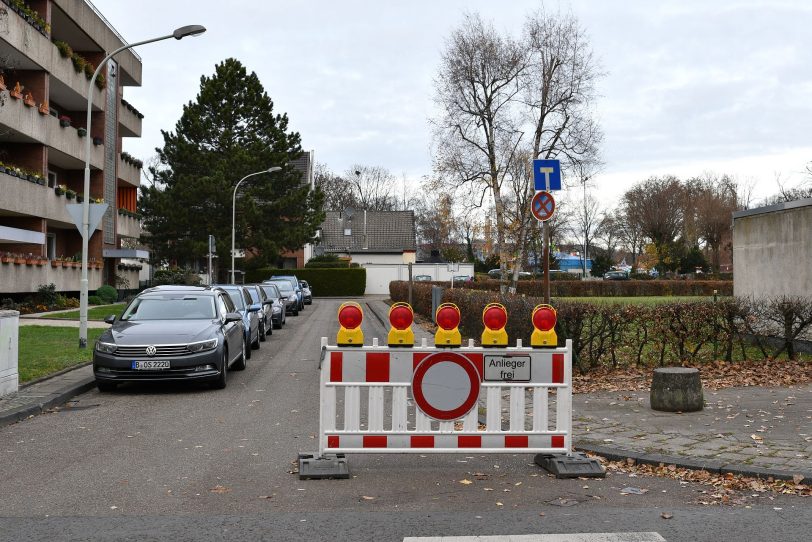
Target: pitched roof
386,231
304,165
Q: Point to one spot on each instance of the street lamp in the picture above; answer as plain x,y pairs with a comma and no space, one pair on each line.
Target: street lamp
179,33
234,210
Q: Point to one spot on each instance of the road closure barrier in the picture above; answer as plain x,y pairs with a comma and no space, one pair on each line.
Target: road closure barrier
442,399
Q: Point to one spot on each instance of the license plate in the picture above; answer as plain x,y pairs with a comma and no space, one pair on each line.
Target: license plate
150,365
507,368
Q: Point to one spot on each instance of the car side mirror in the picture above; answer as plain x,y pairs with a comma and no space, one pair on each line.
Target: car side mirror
233,317
255,307
110,319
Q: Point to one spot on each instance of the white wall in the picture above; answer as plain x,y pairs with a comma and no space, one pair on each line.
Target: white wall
380,275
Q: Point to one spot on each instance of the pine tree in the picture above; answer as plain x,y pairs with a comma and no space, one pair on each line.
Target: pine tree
228,132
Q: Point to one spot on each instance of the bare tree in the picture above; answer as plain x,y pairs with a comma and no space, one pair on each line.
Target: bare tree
714,205
585,223
654,204
338,193
374,187
609,232
476,132
630,229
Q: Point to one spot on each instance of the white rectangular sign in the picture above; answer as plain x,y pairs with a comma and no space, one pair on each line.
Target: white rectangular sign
507,368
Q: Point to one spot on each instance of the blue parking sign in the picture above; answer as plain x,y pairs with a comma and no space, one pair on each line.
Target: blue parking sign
547,174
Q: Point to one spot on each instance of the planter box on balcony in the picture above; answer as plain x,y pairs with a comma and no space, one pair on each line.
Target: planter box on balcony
19,261
56,263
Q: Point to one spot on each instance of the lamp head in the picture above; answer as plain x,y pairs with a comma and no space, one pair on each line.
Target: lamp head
273,169
190,30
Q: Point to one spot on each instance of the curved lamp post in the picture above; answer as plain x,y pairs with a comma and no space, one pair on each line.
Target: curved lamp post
234,210
179,33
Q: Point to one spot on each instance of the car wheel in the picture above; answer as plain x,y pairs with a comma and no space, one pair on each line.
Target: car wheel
262,331
220,382
241,363
106,386
278,325
295,311
255,344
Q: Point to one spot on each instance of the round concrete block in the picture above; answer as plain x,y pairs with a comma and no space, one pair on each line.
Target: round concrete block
676,389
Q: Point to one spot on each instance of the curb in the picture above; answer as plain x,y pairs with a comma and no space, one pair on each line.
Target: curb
710,465
55,399
54,375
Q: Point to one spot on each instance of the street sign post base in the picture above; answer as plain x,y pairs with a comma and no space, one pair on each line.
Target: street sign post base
313,467
570,466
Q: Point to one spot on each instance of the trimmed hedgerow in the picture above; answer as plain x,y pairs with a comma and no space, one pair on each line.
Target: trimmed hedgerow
611,288
641,335
323,282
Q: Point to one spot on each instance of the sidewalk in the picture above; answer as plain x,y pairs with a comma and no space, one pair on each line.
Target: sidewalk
44,394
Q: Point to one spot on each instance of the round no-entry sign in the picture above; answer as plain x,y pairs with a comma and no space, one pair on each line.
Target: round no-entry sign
542,206
445,386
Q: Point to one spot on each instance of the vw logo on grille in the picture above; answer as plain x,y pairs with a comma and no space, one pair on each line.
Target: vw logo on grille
151,350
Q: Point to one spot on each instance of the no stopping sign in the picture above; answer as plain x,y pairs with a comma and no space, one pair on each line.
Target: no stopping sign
445,386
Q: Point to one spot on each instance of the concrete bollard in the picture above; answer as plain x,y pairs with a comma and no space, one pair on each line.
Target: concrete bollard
9,353
676,389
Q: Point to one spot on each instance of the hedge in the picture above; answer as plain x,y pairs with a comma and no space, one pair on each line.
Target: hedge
323,282
609,288
642,335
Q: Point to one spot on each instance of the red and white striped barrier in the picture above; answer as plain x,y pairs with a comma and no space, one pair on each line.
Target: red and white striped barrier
376,399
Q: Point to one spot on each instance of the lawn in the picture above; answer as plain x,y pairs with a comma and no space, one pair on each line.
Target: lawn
93,313
639,300
45,349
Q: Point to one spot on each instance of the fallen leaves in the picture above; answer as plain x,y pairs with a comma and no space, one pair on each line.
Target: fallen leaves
367,498
220,489
466,482
666,515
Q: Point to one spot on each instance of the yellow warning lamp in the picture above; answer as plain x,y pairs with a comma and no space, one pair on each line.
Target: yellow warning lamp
448,321
544,319
350,316
401,317
494,317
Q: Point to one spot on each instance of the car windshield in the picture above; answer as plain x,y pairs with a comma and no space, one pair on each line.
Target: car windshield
270,290
284,286
236,297
177,307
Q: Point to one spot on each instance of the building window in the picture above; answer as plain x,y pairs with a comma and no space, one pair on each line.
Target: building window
50,245
51,179
347,232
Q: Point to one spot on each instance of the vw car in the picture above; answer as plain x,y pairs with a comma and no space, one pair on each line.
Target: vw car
192,333
294,282
275,295
249,311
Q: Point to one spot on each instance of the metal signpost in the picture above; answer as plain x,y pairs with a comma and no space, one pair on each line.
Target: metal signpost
546,177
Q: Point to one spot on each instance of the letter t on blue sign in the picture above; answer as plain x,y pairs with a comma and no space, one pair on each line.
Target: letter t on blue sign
547,174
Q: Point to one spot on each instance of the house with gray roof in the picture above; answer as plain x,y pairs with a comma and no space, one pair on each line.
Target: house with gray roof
370,237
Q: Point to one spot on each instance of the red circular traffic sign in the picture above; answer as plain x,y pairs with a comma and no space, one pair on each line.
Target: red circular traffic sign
445,386
542,206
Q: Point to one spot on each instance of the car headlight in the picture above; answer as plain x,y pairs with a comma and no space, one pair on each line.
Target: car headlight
292,297
276,309
202,345
107,348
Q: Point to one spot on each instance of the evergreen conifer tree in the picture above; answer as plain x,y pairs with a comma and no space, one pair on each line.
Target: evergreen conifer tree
230,131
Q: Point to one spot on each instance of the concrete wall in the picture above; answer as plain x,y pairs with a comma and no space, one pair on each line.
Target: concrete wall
380,275
26,278
772,250
364,258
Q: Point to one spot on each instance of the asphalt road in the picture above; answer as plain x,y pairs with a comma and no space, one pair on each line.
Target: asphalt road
187,463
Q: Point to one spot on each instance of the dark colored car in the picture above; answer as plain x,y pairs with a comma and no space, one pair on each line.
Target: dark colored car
294,282
307,292
265,314
288,293
615,275
279,311
422,278
192,333
249,311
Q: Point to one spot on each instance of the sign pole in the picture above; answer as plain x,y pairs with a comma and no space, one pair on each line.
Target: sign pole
545,233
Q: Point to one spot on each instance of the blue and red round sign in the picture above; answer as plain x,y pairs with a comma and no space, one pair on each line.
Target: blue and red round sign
543,206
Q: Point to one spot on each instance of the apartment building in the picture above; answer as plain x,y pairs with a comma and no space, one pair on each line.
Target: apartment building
48,52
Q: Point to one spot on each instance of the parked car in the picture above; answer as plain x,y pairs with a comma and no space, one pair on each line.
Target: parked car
294,282
422,278
497,273
307,293
258,295
288,293
463,278
615,275
274,294
191,333
249,311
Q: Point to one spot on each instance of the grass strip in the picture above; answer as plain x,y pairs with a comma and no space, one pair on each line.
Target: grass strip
94,313
44,350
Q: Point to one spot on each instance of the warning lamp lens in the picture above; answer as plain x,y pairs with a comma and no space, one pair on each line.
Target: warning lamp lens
448,318
494,318
400,317
350,317
544,319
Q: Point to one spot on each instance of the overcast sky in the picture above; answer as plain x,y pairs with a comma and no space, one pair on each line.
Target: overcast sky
690,86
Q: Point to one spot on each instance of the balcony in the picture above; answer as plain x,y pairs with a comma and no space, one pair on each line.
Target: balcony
129,173
15,277
21,197
127,225
129,120
27,125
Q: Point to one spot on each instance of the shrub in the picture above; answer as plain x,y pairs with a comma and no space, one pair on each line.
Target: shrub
107,293
176,275
610,288
324,282
46,294
95,300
